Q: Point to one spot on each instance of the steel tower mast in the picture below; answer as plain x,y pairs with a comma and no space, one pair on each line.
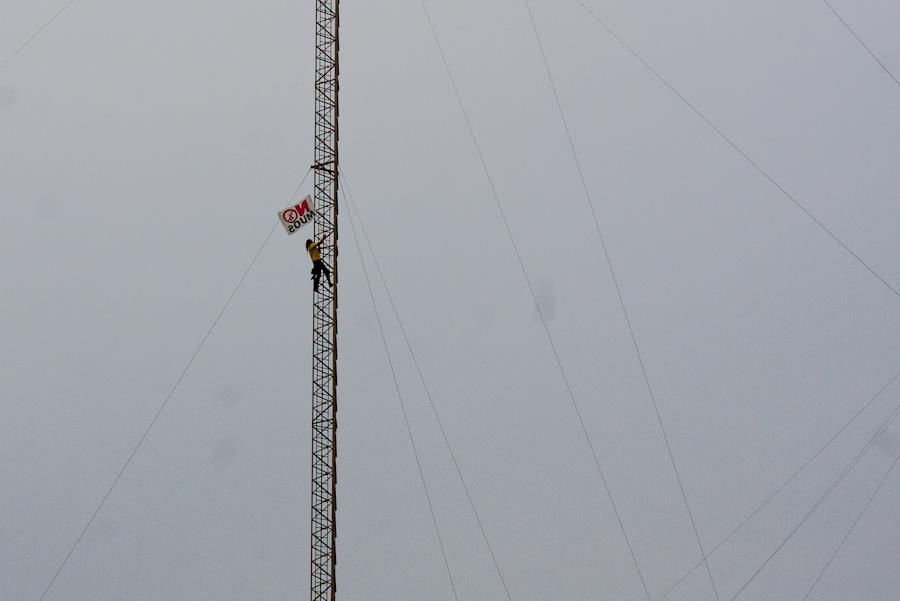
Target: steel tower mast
323,532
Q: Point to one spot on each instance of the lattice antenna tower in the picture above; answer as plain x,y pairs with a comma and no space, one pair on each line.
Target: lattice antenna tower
323,530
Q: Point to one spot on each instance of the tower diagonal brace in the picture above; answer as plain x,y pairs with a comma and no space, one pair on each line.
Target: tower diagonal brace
323,533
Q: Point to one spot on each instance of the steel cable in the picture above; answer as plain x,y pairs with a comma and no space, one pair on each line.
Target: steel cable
540,311
861,42
741,152
162,407
432,404
856,459
852,526
412,439
784,484
621,298
37,32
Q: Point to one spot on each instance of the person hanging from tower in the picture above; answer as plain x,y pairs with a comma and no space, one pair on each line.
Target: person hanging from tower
319,266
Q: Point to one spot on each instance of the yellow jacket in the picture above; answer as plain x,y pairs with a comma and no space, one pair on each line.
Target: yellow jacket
314,253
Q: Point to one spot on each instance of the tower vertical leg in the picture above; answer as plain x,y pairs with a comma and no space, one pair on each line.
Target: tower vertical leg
325,303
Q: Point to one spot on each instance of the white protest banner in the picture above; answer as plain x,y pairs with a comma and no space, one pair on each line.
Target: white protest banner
295,217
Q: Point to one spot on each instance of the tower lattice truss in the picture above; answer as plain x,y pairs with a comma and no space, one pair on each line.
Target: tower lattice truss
325,303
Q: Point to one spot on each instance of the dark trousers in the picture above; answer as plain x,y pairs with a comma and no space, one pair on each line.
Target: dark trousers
318,269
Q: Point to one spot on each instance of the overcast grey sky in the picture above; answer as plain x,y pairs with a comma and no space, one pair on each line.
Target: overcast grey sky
144,150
